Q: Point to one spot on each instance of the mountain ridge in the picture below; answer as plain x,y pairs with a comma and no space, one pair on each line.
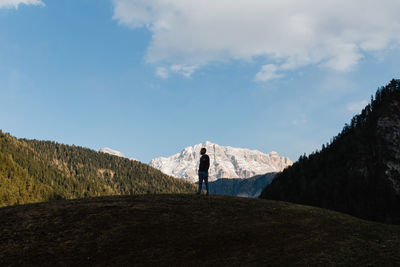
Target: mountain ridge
225,162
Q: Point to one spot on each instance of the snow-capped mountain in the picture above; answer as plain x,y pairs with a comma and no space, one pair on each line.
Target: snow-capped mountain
112,152
225,162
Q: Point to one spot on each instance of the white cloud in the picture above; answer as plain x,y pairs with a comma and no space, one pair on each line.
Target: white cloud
162,72
184,70
347,56
267,72
16,3
287,34
357,106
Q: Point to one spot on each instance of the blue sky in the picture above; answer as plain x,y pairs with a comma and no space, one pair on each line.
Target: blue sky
149,78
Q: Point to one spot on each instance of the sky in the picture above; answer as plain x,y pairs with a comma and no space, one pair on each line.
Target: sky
150,77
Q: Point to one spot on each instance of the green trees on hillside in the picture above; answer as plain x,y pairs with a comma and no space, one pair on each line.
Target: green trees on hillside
32,171
349,173
16,187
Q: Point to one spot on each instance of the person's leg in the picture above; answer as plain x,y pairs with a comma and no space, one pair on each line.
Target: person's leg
206,181
200,183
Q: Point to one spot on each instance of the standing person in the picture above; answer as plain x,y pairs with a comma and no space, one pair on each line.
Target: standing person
203,170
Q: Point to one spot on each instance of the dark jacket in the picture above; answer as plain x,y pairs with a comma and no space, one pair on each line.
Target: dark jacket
204,163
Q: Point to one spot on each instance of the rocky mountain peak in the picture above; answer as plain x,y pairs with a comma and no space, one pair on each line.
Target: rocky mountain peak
225,162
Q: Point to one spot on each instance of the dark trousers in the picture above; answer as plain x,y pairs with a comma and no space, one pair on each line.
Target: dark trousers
203,176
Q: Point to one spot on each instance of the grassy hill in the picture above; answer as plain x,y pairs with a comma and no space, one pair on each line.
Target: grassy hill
190,230
35,171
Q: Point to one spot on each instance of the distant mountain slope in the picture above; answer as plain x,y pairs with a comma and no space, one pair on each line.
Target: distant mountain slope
225,162
112,152
359,171
32,171
250,187
189,230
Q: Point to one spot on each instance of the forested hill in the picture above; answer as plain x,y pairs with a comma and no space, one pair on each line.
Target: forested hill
32,171
358,172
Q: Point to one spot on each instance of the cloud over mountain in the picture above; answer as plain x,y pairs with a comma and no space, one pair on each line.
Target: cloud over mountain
282,35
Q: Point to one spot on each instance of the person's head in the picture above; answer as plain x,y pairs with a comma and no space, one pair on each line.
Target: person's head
203,151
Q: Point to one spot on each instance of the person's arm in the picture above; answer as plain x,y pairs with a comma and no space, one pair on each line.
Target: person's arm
208,162
198,166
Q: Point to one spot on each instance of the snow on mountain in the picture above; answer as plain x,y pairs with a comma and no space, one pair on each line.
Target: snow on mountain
115,153
112,152
225,162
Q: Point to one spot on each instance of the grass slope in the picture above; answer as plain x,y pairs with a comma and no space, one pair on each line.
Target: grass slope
190,230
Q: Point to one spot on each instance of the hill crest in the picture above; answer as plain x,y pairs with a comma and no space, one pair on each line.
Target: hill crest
177,230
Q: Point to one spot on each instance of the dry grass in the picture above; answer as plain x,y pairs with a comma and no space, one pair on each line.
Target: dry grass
190,230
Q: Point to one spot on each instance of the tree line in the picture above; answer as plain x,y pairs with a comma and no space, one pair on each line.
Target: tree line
32,171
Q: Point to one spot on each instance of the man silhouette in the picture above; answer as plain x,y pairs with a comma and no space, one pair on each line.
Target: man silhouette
203,170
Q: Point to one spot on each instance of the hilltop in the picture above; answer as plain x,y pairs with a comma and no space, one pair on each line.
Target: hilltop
190,230
358,172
